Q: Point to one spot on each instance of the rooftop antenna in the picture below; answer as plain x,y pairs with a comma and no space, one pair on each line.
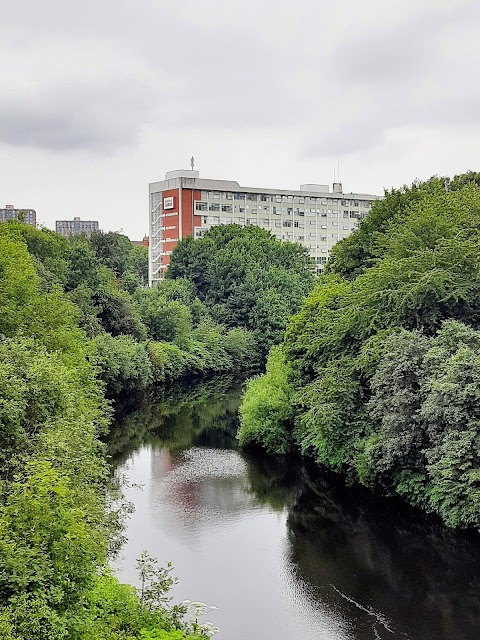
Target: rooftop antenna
192,162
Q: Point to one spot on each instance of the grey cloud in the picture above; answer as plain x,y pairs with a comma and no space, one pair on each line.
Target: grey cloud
341,88
67,116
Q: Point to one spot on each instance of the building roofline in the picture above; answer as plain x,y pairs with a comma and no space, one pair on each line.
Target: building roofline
208,184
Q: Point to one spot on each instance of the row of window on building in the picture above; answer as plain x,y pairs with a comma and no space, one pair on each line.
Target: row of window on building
264,197
228,208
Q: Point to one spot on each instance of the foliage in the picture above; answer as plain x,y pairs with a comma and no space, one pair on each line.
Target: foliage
112,249
245,278
166,320
371,398
124,365
267,407
56,524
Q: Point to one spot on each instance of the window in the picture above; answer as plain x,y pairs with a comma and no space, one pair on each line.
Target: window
227,208
229,196
200,206
346,228
264,197
324,226
239,196
278,198
252,196
287,223
295,224
214,207
334,224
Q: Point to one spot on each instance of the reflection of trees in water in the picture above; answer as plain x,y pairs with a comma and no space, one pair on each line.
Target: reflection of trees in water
202,415
379,553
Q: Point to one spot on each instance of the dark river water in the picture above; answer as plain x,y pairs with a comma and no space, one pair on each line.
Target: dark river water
282,549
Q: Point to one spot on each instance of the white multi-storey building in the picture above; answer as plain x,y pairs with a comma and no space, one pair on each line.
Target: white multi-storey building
186,205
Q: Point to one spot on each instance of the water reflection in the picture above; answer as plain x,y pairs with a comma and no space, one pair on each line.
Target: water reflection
283,550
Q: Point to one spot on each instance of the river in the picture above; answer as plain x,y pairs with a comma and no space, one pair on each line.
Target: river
282,549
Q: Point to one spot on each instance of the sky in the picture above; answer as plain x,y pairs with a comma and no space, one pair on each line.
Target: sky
101,97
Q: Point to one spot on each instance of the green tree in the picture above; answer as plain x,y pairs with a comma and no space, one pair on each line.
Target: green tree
245,278
112,249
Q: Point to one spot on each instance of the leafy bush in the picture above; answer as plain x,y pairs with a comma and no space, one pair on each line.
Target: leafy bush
266,409
124,364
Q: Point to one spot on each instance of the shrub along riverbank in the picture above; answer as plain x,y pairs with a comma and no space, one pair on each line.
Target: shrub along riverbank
78,332
378,376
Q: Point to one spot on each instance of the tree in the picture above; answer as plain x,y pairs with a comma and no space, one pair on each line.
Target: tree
245,278
383,376
112,249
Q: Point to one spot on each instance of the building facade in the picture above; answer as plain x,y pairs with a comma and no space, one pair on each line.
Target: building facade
76,226
186,205
28,216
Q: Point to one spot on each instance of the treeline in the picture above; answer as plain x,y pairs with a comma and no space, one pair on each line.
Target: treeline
57,522
77,329
378,376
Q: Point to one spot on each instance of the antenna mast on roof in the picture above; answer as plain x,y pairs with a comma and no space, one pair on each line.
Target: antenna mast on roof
192,162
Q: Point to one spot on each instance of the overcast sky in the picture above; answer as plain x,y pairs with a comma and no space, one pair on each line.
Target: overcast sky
101,97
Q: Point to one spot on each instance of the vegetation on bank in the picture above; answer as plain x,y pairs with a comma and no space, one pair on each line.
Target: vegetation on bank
78,330
246,278
378,376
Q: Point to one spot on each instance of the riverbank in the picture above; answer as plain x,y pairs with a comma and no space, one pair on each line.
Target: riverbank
305,555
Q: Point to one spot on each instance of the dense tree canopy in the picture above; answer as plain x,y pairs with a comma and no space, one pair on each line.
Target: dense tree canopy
368,400
246,278
56,526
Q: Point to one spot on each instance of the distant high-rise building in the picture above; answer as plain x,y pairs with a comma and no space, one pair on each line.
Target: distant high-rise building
28,216
76,226
186,205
